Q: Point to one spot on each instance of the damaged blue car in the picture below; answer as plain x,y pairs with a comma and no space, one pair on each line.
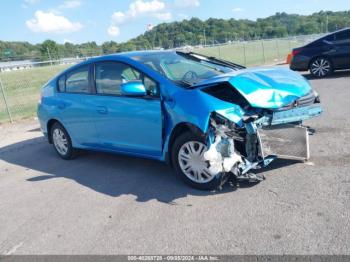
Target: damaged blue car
210,119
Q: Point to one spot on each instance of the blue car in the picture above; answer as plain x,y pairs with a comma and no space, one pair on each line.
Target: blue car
210,119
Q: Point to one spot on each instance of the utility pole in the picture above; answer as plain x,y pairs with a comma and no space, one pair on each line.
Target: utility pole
205,39
327,23
48,52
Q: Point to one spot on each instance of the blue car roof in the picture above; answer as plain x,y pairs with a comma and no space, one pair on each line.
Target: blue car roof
127,55
135,53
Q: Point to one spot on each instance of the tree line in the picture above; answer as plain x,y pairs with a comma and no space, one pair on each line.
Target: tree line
187,32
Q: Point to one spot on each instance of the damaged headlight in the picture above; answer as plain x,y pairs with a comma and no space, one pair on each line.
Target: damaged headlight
221,154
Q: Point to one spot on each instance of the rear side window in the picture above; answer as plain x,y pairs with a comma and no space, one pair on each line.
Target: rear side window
77,81
343,36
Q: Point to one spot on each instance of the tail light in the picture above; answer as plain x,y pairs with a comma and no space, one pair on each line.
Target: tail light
296,51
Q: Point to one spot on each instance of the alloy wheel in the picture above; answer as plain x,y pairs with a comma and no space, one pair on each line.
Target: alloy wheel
192,162
60,141
320,67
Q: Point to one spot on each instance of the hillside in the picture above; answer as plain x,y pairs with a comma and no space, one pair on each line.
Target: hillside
188,32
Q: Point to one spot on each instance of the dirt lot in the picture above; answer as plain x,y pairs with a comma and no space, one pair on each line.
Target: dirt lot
111,204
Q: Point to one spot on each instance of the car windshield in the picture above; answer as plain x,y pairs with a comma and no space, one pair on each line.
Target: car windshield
183,68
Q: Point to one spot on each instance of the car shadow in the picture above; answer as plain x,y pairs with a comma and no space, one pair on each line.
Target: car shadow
276,164
109,174
336,74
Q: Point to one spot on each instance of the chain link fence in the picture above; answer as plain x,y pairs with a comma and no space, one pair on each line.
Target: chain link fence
255,52
20,88
20,83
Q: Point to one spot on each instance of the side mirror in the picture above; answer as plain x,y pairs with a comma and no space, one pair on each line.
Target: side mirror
133,88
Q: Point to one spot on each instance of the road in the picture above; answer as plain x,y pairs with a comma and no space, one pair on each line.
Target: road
112,204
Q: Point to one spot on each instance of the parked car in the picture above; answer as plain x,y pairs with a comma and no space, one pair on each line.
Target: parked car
208,118
324,55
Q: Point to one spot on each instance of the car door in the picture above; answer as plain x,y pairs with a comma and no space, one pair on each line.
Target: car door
340,52
73,109
127,124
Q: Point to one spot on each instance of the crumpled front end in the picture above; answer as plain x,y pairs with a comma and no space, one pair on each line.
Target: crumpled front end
237,147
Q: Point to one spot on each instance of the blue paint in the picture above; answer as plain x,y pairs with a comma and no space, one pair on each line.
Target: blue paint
266,87
133,88
142,126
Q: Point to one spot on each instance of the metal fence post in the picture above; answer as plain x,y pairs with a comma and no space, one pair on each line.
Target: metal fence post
289,45
48,52
277,49
263,50
5,100
245,57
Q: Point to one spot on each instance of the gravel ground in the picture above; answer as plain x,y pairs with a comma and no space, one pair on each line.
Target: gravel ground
112,204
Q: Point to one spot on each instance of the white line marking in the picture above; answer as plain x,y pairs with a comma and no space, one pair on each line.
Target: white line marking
13,250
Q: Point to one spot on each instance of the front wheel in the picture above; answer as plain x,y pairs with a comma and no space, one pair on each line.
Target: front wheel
321,67
189,163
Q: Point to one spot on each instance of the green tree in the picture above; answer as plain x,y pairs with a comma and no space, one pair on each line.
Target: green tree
49,50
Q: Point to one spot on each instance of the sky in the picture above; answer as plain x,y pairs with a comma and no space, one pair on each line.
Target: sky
79,21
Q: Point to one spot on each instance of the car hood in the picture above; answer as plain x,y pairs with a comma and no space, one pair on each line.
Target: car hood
265,87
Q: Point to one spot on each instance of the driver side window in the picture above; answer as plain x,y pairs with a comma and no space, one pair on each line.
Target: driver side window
110,75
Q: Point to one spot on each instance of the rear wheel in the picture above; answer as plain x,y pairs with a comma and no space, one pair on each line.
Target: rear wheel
62,141
321,67
189,163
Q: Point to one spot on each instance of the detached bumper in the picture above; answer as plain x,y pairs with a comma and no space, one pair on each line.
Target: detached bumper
296,114
278,137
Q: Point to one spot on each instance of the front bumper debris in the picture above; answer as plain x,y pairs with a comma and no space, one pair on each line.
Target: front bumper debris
264,138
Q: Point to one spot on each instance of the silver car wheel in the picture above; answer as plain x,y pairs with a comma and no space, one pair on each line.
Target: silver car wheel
60,141
192,162
320,67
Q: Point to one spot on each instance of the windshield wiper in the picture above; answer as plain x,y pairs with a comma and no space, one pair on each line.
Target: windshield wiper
212,59
189,56
183,83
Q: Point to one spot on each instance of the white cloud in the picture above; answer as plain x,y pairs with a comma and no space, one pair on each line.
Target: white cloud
48,22
137,9
140,7
31,2
119,17
70,4
113,30
186,3
68,41
26,3
237,9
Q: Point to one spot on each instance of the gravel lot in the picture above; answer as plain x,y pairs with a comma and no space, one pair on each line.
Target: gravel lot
111,204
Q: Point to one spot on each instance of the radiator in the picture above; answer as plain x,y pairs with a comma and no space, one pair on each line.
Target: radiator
284,141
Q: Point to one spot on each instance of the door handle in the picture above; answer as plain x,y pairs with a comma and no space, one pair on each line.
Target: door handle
102,110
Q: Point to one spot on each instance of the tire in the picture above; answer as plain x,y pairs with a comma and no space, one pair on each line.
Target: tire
321,67
193,177
61,141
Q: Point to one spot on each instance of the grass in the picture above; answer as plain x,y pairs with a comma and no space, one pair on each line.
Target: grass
22,90
22,87
253,53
